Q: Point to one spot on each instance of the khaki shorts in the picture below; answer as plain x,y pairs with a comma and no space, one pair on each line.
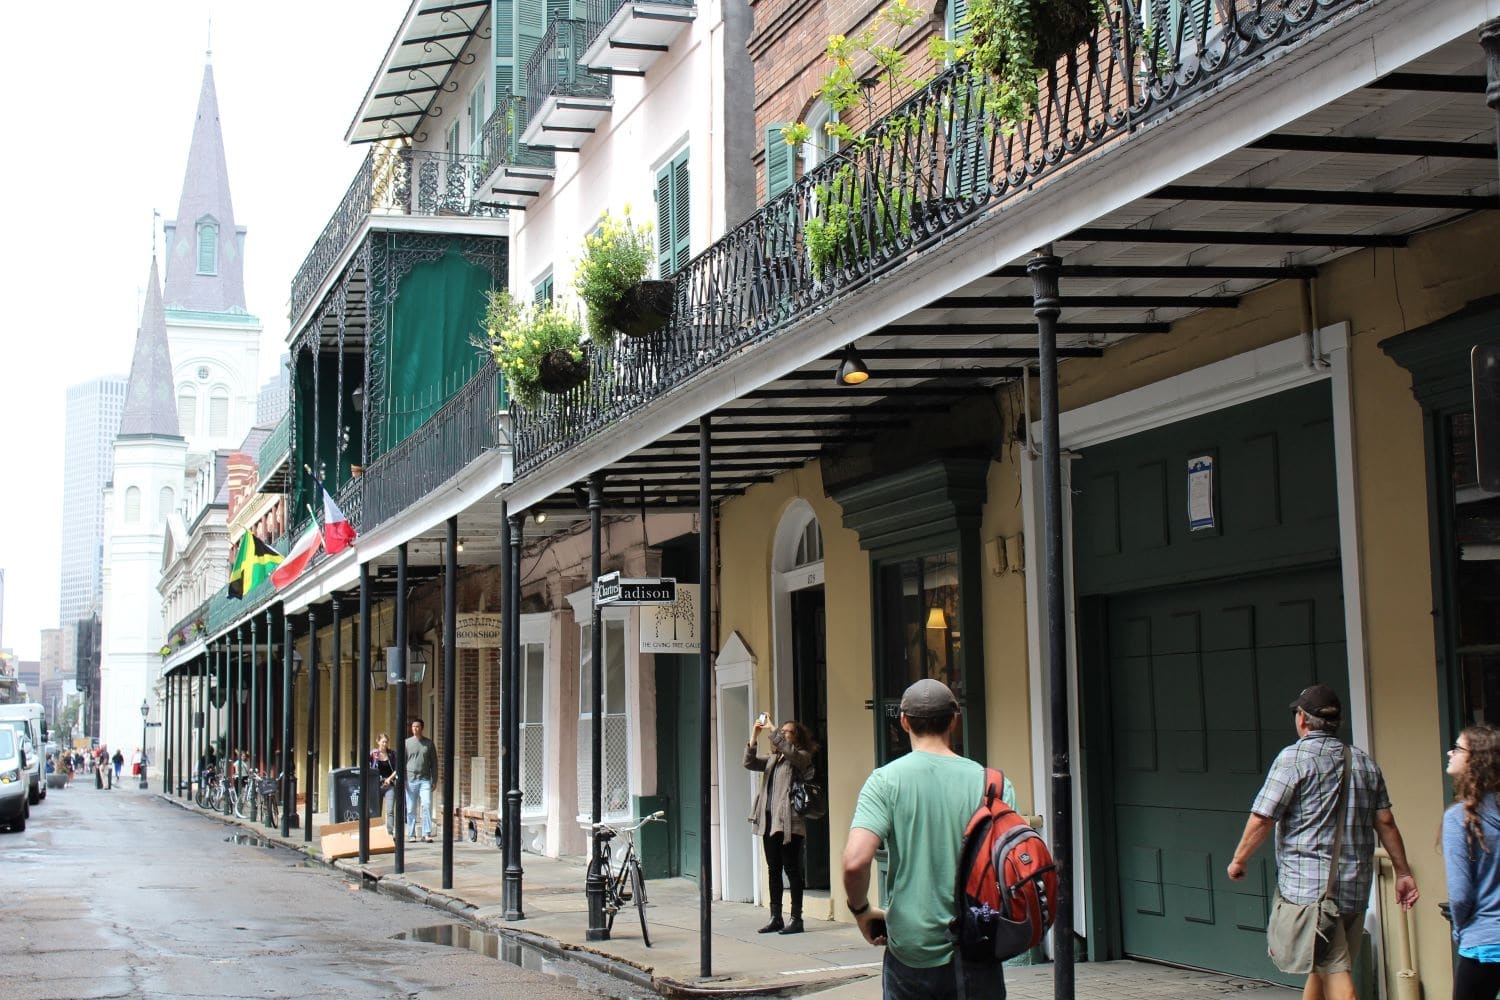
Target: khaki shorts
1338,954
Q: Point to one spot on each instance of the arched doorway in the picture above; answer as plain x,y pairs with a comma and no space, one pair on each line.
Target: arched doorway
801,663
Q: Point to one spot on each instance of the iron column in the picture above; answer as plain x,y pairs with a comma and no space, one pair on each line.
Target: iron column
594,883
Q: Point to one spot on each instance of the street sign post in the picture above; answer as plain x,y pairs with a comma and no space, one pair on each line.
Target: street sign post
613,590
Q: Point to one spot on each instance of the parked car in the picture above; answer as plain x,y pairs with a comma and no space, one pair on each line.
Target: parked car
26,721
15,804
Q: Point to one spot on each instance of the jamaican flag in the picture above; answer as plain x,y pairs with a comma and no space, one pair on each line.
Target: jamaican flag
252,565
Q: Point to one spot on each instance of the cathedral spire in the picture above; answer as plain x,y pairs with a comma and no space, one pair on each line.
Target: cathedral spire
150,403
205,270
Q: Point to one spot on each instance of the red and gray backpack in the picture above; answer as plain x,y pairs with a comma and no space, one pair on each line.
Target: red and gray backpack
1006,896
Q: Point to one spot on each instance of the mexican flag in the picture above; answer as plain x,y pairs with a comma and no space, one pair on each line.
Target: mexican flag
302,553
253,563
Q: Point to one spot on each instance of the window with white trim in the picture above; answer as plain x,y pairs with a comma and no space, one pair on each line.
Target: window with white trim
208,247
533,713
132,505
187,410
164,501
616,723
218,412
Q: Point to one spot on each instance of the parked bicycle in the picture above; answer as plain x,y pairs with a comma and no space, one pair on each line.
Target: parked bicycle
625,881
210,789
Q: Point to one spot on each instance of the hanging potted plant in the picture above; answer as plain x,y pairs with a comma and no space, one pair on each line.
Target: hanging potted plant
538,348
1016,41
611,280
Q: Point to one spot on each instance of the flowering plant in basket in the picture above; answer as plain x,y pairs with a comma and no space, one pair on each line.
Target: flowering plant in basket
616,259
537,347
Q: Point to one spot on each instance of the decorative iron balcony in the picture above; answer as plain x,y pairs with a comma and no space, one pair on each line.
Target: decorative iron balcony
393,180
514,173
567,100
632,34
930,168
456,435
271,461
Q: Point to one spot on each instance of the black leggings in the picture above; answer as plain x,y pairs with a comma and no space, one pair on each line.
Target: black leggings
784,855
1476,980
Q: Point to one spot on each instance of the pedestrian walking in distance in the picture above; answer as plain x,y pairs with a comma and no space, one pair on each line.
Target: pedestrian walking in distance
421,770
916,807
1322,792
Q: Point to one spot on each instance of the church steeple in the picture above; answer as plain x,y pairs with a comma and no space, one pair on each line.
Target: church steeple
205,269
150,404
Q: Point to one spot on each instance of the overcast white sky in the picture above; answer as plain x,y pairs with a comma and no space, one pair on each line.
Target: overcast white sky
104,94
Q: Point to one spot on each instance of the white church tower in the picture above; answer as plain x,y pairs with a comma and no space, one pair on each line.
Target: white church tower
192,391
150,456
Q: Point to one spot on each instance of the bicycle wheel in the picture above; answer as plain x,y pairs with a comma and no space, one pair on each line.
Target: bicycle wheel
638,887
271,811
201,795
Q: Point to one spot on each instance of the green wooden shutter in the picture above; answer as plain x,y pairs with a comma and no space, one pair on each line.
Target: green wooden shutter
781,162
542,293
530,23
208,248
673,222
956,20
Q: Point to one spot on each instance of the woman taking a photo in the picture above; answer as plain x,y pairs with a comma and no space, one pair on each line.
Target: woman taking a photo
773,819
1471,851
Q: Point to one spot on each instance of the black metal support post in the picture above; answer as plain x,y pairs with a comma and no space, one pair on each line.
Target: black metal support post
450,684
1489,38
253,681
402,820
335,688
310,755
510,760
268,708
1047,306
288,800
594,883
194,775
362,706
705,702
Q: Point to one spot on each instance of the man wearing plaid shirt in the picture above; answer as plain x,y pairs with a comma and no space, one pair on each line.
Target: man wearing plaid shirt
1299,800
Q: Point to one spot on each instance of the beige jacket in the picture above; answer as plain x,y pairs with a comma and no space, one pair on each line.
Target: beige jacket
780,767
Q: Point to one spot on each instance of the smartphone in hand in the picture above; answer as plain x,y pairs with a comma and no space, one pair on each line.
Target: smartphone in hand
877,928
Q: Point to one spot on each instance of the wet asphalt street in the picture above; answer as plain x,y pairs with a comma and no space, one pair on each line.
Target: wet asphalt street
121,894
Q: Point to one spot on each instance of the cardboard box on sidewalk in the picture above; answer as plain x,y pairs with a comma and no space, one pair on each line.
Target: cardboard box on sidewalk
341,840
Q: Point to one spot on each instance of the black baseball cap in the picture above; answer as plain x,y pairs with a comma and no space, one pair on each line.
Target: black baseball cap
1320,700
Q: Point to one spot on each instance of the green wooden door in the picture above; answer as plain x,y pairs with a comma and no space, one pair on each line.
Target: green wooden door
810,705
1200,678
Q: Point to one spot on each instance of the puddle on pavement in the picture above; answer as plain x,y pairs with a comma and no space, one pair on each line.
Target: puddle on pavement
505,949
249,839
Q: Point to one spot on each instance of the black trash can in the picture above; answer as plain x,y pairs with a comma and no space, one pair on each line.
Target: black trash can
344,798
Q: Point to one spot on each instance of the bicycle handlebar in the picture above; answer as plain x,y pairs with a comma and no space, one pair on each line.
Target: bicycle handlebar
660,816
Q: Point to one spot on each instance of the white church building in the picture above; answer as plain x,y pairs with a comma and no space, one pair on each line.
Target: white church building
192,390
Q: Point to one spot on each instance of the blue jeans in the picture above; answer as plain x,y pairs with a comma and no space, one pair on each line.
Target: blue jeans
981,981
419,803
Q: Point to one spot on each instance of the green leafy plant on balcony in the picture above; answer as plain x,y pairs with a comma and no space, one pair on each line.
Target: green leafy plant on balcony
833,233
165,651
538,347
611,280
1016,41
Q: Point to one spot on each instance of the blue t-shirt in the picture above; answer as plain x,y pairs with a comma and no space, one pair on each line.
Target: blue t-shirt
1473,879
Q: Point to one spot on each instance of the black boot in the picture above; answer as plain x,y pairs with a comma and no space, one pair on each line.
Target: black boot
775,925
795,927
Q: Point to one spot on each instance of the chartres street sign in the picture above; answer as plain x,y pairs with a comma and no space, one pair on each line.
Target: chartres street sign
612,589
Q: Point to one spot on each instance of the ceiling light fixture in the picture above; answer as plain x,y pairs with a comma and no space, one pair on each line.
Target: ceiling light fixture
852,370
539,516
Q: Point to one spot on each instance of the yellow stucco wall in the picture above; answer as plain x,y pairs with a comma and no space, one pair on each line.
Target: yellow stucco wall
1379,294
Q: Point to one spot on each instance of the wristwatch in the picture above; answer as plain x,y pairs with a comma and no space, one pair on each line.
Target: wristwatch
857,910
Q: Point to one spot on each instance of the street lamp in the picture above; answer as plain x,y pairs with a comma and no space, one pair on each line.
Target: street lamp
145,710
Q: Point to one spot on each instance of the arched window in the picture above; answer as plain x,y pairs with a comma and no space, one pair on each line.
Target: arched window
164,501
132,505
218,412
810,545
187,410
821,145
208,247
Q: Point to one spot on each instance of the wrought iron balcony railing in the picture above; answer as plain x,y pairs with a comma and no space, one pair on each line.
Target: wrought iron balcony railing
931,167
456,435
502,142
393,180
555,69
275,448
599,12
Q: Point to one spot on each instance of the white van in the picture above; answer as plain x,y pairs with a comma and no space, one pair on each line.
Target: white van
25,719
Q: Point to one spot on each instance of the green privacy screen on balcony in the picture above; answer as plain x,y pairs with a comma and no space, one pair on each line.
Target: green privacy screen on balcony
437,310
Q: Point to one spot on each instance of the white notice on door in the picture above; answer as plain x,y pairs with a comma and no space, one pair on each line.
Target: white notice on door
1200,493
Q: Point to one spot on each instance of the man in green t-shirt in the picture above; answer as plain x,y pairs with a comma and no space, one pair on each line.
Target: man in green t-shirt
917,807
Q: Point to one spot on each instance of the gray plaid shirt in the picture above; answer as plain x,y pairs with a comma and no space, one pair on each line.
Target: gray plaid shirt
1299,794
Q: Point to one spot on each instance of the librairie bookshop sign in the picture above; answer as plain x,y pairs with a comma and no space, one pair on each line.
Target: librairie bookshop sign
477,630
613,590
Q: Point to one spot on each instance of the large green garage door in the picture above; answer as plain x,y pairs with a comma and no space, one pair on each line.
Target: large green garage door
1205,605
1201,679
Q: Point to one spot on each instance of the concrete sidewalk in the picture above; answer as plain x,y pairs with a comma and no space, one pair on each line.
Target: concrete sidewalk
829,960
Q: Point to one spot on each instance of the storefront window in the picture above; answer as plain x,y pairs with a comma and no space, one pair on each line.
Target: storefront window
1476,584
920,636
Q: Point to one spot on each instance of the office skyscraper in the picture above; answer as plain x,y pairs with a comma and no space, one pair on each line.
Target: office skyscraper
93,420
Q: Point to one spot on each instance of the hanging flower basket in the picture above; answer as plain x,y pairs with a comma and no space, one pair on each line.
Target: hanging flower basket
557,371
1015,41
644,309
